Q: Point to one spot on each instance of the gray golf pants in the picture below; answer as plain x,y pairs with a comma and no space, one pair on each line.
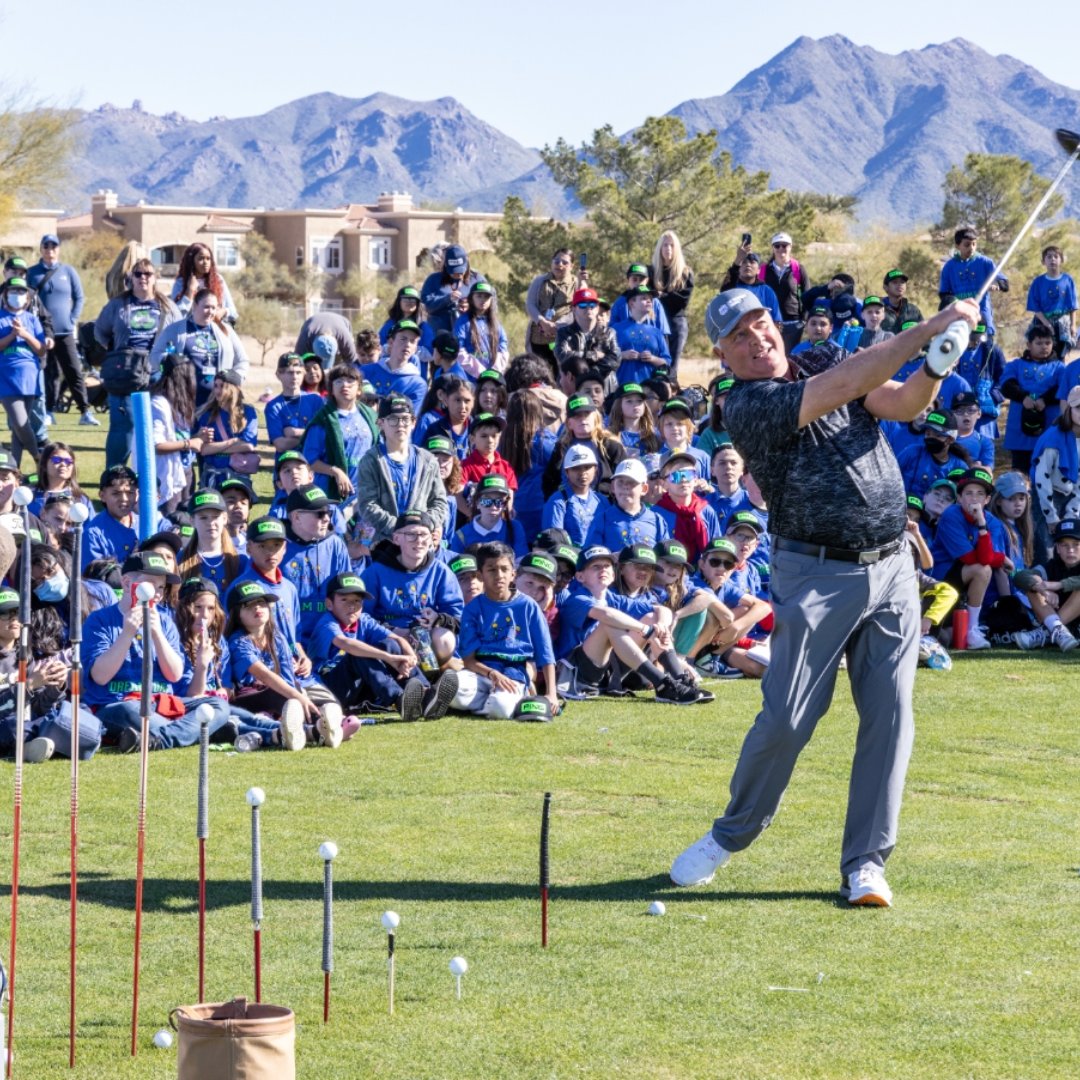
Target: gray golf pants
824,609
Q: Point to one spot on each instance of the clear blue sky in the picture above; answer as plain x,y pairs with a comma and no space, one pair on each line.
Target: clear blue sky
604,62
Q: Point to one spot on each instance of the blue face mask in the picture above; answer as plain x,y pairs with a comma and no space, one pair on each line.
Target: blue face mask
53,589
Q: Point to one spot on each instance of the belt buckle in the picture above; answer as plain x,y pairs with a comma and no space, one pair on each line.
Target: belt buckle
866,558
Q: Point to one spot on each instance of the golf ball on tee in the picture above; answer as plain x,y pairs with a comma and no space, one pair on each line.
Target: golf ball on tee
657,908
255,796
390,919
163,1039
459,965
328,850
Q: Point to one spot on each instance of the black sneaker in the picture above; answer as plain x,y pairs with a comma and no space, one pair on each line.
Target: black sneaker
670,692
438,698
131,740
227,733
412,700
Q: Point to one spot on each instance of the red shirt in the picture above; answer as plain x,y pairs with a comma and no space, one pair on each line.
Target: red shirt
475,467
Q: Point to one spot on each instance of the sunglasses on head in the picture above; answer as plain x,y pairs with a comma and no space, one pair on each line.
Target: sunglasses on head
718,560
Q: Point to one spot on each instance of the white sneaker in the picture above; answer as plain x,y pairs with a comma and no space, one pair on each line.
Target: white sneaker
293,736
699,862
329,724
1063,638
38,750
88,419
977,639
1031,639
867,887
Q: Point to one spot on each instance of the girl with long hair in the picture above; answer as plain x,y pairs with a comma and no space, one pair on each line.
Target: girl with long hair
480,334
447,410
211,553
583,426
407,305
172,410
198,270
527,445
674,283
491,394
632,420
450,474
200,619
227,427
57,473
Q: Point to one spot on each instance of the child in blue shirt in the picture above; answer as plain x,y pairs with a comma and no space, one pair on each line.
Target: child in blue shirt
368,666
642,346
396,373
938,456
573,507
114,532
1033,382
625,520
491,521
979,447
339,435
505,643
1052,300
288,414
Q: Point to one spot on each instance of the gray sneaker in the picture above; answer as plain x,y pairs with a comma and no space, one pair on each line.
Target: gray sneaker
412,700
1062,638
438,698
1032,639
38,750
88,419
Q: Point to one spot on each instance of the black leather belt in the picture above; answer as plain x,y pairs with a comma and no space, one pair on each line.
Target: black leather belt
819,551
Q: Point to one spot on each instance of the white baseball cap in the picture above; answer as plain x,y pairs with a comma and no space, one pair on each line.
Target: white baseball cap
633,468
579,454
781,238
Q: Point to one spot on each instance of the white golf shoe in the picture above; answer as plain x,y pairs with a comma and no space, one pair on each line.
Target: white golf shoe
699,862
867,887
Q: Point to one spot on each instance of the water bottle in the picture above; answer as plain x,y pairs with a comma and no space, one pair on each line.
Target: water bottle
425,653
250,740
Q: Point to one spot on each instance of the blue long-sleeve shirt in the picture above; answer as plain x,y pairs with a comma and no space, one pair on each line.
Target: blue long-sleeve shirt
639,337
506,635
62,295
612,527
400,595
309,567
963,278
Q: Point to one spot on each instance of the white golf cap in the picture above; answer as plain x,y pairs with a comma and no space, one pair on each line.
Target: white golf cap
633,468
781,238
579,454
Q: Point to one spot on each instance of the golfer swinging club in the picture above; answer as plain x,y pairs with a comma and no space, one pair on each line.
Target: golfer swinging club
843,580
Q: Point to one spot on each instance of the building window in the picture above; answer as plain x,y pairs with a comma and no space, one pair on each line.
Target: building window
326,255
299,255
227,252
379,253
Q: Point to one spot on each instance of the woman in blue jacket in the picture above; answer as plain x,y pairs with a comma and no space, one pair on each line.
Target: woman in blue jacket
443,291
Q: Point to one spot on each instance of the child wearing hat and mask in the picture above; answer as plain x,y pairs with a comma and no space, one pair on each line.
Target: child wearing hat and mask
1055,594
920,466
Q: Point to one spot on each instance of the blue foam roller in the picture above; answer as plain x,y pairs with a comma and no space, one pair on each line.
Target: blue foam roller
145,464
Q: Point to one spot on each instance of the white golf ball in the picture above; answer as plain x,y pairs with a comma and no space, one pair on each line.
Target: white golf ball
657,908
328,850
390,920
22,496
255,796
78,513
145,591
163,1039
459,965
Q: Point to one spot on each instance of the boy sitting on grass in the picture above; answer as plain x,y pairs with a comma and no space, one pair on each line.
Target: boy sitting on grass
367,666
505,643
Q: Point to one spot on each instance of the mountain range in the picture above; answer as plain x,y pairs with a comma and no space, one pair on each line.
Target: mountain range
822,115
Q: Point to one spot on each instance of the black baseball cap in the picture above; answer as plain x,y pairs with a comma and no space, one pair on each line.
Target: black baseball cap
233,378
235,481
7,461
9,600
347,583
494,482
672,551
287,456
207,500
395,405
964,399
414,517
676,404
594,554
150,564
983,477
404,324
637,553
744,517
245,592
541,565
464,564
580,404
640,290
289,359
533,710
193,586
265,528
308,497
487,419
1069,529
440,444
170,539
894,275
446,344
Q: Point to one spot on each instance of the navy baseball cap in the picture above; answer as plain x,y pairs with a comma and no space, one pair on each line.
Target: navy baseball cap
725,310
1069,529
594,554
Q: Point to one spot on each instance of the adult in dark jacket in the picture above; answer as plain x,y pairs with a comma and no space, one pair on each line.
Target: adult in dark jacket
898,308
586,337
673,281
60,290
443,291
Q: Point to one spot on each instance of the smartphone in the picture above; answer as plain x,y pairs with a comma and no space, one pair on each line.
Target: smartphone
583,261
746,239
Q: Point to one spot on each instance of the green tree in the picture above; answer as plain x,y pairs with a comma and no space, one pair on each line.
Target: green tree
262,275
264,320
35,145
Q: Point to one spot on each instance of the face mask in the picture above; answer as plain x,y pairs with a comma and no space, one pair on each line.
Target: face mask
16,300
935,446
53,589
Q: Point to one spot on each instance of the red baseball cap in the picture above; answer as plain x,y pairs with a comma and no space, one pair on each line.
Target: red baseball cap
585,296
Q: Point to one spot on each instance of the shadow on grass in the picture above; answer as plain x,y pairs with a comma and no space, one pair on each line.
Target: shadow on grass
179,895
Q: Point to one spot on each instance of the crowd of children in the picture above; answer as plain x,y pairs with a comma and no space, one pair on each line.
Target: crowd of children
455,530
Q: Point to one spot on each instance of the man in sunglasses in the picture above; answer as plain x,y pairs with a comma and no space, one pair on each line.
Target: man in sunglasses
587,338
842,579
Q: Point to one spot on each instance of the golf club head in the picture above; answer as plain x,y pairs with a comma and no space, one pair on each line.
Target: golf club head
1068,140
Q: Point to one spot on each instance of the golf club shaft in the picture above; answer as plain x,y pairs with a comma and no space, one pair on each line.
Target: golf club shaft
258,963
75,634
144,762
544,869
326,998
21,707
1026,227
390,968
328,934
256,896
202,919
202,831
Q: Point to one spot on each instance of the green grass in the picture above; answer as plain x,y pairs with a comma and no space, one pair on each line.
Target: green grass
972,974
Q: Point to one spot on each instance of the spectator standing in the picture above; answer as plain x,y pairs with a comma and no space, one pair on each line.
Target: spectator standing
198,271
965,273
1052,301
59,289
898,308
548,304
788,281
674,284
443,292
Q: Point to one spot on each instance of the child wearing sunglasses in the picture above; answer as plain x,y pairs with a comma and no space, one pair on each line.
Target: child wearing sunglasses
689,517
491,519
